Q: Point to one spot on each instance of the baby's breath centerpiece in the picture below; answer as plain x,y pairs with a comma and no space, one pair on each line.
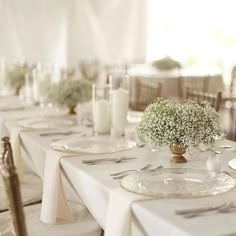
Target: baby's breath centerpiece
70,92
189,124
15,78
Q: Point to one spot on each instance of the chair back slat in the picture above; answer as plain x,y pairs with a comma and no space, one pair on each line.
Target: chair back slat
145,94
213,99
12,187
90,70
198,83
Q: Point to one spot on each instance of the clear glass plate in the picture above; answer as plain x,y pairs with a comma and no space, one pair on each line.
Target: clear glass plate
178,183
11,107
45,123
93,145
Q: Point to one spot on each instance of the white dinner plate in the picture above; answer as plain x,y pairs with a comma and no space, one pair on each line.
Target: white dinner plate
45,123
178,183
93,145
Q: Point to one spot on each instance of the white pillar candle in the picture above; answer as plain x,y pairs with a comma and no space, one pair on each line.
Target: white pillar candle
28,90
101,116
120,103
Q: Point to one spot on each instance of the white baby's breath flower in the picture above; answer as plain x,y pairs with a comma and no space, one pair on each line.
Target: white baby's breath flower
69,92
16,75
165,122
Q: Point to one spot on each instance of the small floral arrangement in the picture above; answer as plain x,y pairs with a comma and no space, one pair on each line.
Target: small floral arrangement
16,76
69,92
165,123
166,63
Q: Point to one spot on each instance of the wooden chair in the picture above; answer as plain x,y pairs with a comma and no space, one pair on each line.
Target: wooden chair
144,95
12,188
213,99
31,186
90,70
198,83
26,220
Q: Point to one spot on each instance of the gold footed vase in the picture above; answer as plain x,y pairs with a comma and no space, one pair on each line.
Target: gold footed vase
72,110
17,90
178,150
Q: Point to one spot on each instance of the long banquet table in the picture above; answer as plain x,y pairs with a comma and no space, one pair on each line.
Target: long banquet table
94,186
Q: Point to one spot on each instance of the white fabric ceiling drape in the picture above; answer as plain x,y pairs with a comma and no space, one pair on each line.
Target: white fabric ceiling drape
62,32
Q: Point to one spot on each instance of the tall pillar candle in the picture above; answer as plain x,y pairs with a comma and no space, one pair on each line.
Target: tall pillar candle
120,103
101,116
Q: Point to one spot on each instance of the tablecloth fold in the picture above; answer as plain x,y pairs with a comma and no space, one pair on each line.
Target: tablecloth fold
119,215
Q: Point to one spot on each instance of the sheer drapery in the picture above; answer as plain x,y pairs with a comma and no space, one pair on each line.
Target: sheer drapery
62,32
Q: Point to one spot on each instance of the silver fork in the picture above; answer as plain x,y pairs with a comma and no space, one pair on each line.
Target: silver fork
102,160
131,170
122,176
60,133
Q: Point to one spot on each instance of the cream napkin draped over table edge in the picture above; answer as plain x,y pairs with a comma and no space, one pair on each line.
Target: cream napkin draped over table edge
54,204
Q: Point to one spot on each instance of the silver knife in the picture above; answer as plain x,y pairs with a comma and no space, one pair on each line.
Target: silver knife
118,159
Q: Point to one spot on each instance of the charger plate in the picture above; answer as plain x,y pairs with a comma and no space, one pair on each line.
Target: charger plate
93,145
45,123
178,183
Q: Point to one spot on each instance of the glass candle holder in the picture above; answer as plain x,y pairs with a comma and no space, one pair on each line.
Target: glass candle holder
29,96
120,84
101,109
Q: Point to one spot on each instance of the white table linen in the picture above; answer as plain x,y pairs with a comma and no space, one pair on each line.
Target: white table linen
16,148
120,207
99,175
170,80
94,186
54,204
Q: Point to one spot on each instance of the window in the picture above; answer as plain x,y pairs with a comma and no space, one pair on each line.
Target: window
195,32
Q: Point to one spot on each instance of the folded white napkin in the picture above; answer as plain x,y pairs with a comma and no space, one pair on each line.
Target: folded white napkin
54,204
118,219
16,148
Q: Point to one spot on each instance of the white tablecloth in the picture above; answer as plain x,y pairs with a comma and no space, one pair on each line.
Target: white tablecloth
170,80
153,217
94,185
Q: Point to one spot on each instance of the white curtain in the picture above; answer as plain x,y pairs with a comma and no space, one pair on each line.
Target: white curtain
62,32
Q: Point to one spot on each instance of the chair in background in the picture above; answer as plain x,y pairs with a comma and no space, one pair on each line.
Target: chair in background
198,83
233,82
114,69
27,219
143,94
213,99
90,70
167,63
67,73
31,185
229,96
